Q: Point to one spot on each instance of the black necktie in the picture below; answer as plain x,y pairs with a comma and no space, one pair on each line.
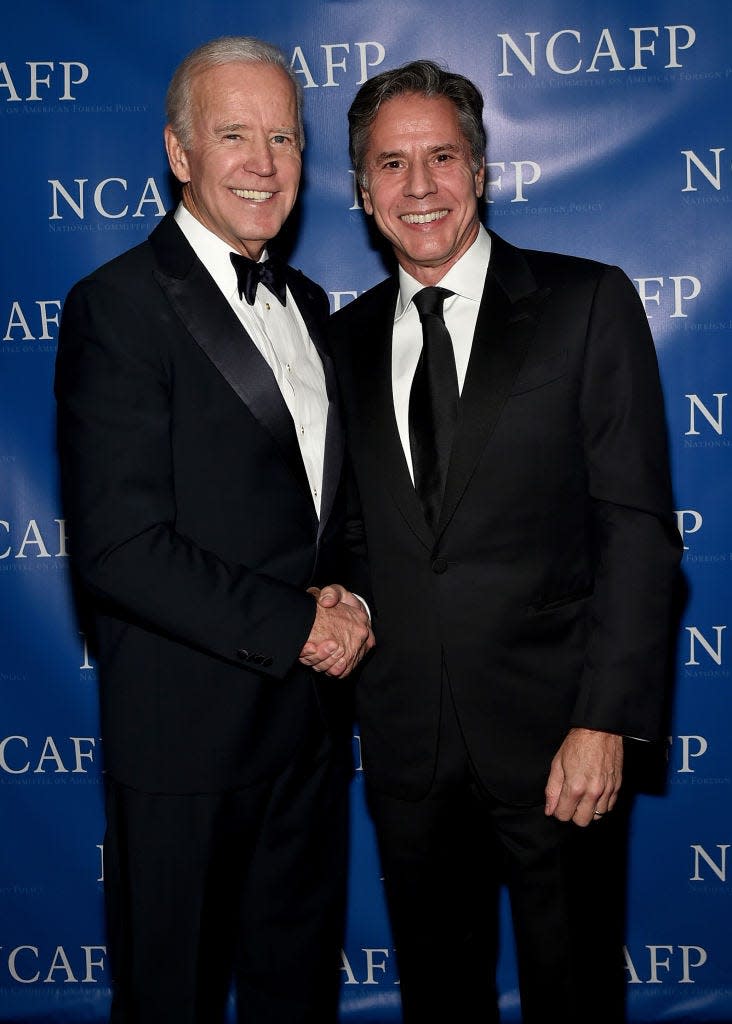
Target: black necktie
433,404
249,273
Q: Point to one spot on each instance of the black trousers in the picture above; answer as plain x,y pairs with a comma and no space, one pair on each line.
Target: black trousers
445,859
246,886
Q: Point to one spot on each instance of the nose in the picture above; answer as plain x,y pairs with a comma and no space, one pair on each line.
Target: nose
259,157
419,182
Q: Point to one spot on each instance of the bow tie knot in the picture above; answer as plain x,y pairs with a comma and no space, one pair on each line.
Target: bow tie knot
250,273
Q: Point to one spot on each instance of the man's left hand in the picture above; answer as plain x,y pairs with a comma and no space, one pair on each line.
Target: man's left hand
585,776
325,656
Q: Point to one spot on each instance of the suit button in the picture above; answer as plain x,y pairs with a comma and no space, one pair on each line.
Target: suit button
439,566
243,654
266,661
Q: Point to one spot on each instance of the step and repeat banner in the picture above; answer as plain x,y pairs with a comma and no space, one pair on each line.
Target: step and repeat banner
610,137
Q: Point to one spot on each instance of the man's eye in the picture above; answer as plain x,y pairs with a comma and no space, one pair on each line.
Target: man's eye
443,157
281,139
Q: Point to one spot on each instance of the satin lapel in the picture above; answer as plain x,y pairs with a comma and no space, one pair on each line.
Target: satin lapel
213,325
376,409
503,334
334,435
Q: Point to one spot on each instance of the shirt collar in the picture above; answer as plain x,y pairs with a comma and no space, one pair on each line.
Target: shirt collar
466,278
212,251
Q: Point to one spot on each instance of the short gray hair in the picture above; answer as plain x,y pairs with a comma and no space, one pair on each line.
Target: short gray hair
224,50
425,78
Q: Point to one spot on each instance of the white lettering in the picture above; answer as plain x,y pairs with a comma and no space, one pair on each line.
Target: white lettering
13,968
150,194
696,403
80,754
365,63
550,59
528,62
679,295
35,79
86,665
372,965
686,978
331,64
17,319
98,198
67,65
674,47
713,177
58,189
610,52
50,753
3,762
639,48
701,854
644,295
6,527
303,68
656,962
7,83
680,37
714,654
696,522
89,963
688,753
45,318
60,962
36,539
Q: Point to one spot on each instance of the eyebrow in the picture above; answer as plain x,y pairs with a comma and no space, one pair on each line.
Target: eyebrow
392,154
239,126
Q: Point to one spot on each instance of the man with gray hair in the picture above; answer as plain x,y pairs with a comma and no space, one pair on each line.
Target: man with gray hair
506,428
201,454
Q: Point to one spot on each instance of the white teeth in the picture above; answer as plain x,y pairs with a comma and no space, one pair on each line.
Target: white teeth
423,218
249,193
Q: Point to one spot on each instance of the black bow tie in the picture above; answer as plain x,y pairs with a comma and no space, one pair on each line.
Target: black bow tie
249,273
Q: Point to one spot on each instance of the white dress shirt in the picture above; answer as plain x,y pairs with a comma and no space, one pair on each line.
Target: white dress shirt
467,280
281,336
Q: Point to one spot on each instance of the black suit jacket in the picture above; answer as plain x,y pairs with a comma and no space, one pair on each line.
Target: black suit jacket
191,523
547,588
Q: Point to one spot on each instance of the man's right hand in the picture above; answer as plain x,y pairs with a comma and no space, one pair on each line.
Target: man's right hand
340,635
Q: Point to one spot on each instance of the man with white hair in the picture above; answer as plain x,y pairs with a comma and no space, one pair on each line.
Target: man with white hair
201,455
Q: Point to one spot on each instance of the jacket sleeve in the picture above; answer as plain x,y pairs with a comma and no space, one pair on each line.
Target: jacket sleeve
113,390
637,545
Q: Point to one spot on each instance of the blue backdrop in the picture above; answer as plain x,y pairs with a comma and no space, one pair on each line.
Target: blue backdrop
609,137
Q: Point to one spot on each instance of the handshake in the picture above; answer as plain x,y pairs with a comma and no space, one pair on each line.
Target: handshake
341,633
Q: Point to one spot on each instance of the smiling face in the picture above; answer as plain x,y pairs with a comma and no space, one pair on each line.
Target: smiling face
241,172
422,189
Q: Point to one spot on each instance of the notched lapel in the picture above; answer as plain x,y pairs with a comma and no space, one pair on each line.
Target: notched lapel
376,409
503,333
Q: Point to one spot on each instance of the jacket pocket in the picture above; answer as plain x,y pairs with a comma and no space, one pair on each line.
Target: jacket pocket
560,602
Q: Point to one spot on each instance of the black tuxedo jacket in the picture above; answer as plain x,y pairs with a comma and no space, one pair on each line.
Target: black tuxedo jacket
547,588
191,523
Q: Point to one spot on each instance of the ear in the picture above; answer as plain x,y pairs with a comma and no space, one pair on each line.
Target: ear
480,179
367,204
177,157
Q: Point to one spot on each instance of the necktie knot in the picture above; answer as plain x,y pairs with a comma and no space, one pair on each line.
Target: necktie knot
429,302
249,273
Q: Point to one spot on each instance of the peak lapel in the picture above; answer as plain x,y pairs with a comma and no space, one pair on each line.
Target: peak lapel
213,325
